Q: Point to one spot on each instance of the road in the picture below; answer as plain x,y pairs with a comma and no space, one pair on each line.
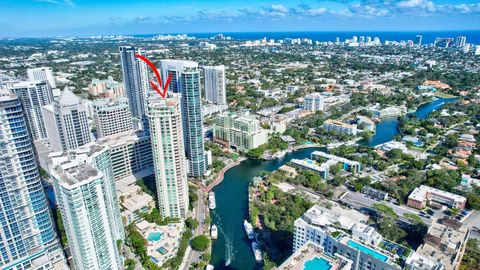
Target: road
199,213
359,200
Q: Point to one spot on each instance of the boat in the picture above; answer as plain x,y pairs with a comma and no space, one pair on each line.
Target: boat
211,198
256,252
228,262
248,229
214,232
209,267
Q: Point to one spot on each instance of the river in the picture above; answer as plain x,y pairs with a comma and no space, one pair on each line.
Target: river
232,195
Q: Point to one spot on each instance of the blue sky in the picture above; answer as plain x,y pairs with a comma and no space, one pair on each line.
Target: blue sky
26,18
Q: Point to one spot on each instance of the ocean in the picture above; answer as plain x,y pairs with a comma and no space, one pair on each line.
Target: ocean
473,36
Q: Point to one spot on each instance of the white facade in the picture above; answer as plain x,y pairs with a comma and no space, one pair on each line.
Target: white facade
169,155
339,127
66,122
112,116
314,102
33,95
42,74
86,195
215,87
131,153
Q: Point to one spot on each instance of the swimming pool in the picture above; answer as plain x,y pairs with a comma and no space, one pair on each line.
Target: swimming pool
317,264
367,250
154,236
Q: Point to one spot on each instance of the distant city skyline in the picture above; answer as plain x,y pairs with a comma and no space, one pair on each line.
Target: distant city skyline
120,17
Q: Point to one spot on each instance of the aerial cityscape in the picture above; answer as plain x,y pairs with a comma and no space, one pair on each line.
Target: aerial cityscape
304,135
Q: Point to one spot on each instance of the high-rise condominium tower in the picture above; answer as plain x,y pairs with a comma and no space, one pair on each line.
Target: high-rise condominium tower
42,74
169,156
215,88
186,81
33,95
112,116
27,235
135,78
461,41
66,122
87,198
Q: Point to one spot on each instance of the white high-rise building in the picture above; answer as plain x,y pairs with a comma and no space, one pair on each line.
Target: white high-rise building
66,122
169,155
34,95
42,74
28,239
86,195
314,102
215,88
112,116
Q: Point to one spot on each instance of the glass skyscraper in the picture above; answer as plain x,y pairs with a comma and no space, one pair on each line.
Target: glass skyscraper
186,81
135,78
192,121
27,234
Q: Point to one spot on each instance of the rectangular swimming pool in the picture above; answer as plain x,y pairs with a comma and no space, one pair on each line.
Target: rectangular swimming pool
367,250
317,264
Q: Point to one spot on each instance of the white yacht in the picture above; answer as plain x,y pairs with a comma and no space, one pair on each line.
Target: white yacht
256,252
211,199
214,232
248,229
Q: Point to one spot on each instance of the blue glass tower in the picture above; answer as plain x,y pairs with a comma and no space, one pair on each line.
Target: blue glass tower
192,121
135,78
186,81
26,225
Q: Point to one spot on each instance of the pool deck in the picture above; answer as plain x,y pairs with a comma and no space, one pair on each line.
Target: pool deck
309,252
170,239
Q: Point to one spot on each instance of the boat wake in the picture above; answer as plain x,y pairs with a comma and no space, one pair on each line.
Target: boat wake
227,235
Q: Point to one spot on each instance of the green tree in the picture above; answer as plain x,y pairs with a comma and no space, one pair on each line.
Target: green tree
200,242
129,264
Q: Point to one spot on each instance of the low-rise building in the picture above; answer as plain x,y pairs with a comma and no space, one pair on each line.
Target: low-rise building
391,111
340,127
423,194
365,123
375,193
350,165
133,203
328,229
106,88
312,165
239,132
443,247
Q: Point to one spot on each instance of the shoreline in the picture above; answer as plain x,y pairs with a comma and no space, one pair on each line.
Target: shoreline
221,175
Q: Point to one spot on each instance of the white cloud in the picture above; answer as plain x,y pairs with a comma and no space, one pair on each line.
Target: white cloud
64,3
279,8
417,5
460,8
369,10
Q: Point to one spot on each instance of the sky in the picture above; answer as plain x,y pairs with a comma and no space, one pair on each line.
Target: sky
48,18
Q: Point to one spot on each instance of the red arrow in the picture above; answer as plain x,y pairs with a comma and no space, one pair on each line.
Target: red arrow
157,74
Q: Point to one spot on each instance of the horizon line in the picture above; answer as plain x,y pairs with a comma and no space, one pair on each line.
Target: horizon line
237,32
